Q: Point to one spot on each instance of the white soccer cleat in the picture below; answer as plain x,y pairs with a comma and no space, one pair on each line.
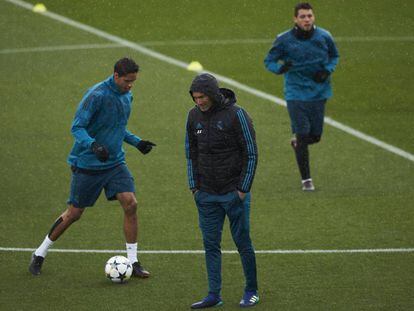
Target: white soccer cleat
307,185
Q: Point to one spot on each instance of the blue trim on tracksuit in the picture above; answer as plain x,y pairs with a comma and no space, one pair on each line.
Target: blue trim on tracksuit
252,157
190,173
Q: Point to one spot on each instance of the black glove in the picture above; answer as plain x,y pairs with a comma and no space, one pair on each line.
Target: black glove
100,151
321,76
285,67
145,146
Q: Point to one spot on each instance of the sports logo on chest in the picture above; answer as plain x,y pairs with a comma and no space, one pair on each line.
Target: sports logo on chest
214,126
199,129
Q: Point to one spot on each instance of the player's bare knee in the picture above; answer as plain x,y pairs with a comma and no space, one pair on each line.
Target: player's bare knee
130,208
74,214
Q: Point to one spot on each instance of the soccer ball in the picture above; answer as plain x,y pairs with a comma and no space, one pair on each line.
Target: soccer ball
118,269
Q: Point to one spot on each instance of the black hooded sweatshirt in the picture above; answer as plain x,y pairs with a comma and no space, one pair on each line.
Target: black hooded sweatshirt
221,147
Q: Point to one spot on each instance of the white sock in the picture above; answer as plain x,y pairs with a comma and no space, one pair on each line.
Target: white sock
132,251
44,247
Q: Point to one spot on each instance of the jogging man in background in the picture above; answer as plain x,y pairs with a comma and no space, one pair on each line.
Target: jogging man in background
307,56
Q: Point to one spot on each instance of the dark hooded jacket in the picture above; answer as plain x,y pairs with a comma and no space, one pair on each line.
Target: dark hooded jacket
221,148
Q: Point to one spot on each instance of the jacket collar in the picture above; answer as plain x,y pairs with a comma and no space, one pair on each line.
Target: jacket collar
112,85
302,34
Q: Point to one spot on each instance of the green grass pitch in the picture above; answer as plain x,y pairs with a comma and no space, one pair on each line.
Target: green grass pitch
364,194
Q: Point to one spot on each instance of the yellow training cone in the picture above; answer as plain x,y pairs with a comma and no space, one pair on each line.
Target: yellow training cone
39,8
195,66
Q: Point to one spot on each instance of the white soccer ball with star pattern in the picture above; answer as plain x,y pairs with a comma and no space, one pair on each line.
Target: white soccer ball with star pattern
118,269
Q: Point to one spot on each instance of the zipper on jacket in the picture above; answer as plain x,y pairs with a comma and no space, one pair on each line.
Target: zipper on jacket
210,151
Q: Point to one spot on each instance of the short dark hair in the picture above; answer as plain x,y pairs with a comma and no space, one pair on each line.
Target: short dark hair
302,6
125,66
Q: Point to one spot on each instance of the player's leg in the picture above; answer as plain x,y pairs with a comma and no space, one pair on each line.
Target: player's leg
211,219
238,212
129,205
300,123
315,113
84,191
69,216
302,157
120,186
316,116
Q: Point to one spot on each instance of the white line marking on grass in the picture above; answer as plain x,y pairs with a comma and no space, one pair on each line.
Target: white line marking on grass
369,139
275,251
375,39
207,42
62,48
231,82
185,42
269,41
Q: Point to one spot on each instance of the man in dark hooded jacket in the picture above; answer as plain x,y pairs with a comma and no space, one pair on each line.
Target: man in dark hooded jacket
221,156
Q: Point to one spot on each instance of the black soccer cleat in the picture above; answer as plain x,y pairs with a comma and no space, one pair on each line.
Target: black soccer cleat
36,264
139,271
212,300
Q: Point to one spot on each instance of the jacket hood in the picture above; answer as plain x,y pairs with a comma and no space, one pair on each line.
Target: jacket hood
229,98
207,84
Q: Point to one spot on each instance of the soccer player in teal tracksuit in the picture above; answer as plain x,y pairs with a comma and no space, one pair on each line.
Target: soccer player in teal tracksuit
97,160
307,56
221,160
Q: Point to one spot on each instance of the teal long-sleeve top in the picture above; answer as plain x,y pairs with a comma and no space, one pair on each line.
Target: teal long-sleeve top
102,117
307,56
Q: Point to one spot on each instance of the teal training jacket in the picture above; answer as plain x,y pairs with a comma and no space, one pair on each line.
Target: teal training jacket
307,56
102,116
